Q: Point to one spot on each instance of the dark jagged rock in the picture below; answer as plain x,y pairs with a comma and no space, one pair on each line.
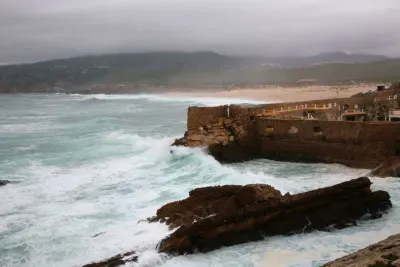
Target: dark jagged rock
212,217
209,201
117,260
389,168
230,153
385,253
180,142
338,206
4,182
99,234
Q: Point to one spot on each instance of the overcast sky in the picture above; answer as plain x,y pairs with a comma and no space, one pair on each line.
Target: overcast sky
33,30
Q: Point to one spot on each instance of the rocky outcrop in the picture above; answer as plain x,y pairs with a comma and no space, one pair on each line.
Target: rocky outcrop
4,182
231,152
212,217
337,206
223,139
382,254
389,168
210,201
222,131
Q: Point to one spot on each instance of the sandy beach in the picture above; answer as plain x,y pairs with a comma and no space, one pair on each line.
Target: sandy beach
280,94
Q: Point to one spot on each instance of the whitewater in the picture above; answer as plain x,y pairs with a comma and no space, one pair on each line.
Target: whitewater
87,169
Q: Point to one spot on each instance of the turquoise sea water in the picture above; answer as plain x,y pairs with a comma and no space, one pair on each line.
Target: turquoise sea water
85,166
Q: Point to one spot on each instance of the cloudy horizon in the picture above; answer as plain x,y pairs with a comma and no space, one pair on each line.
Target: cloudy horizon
46,29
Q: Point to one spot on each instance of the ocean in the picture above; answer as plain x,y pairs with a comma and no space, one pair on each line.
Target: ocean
87,169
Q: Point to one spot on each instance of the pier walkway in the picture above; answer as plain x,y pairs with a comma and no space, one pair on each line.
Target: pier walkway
304,107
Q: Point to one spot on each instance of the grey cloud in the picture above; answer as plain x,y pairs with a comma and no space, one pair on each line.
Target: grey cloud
32,30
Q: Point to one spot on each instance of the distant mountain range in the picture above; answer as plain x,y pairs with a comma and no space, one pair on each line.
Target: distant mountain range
324,58
189,69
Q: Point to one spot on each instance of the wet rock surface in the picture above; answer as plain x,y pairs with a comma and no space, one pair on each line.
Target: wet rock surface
385,253
389,168
337,206
213,217
117,260
210,201
4,182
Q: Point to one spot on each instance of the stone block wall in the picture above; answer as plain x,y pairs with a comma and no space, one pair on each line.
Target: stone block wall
199,116
355,144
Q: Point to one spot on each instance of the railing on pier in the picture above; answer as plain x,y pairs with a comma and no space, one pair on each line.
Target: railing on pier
277,111
354,112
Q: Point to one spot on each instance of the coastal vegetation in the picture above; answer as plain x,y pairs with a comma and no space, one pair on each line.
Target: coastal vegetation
193,69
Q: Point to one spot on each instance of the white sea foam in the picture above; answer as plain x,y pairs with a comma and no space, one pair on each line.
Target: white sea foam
25,148
207,101
29,127
50,217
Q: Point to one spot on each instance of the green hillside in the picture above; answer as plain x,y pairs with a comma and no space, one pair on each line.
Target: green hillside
181,69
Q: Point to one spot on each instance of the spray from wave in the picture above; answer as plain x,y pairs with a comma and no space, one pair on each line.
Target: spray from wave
99,168
206,101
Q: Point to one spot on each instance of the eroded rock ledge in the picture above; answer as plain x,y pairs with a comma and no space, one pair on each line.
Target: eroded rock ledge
385,253
213,217
226,140
210,201
223,131
337,206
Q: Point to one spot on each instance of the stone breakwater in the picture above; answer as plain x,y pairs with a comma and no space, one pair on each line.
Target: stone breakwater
213,217
235,133
238,133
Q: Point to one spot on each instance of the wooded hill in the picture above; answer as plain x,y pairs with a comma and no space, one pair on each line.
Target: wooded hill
194,69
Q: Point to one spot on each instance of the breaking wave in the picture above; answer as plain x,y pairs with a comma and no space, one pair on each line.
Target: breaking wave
207,101
82,193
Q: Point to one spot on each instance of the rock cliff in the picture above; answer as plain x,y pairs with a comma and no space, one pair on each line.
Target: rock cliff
382,254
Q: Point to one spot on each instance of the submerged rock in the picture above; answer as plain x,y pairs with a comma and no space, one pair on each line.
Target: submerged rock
389,168
4,182
117,260
337,206
99,234
381,254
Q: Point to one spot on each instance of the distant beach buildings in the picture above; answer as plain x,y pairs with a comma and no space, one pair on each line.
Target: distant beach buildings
306,81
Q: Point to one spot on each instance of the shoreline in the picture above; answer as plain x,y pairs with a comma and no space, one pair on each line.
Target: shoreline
268,93
278,94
